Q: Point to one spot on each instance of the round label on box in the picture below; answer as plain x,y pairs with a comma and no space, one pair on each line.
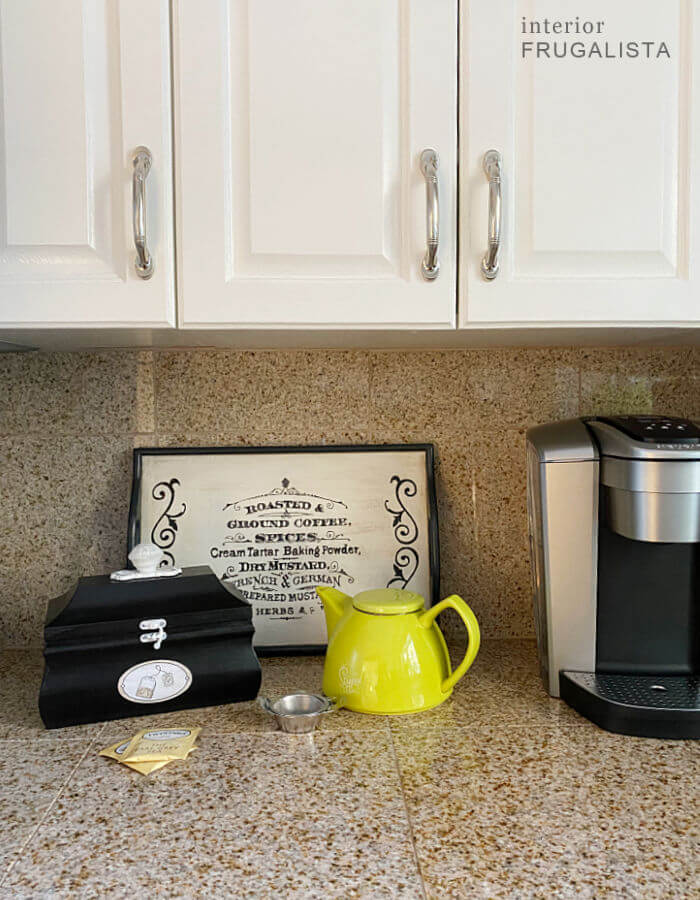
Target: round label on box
154,681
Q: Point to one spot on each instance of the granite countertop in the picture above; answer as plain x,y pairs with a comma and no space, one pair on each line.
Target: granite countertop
500,792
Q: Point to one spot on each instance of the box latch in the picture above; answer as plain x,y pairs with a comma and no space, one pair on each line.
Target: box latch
153,637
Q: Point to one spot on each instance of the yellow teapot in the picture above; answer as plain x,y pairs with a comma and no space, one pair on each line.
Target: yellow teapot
386,655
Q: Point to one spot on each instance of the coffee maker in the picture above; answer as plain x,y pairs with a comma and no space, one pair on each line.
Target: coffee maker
614,522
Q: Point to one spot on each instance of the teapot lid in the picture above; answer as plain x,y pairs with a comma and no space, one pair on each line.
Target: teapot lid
388,602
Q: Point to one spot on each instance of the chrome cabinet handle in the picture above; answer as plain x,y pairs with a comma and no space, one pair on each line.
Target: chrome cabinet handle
491,262
142,166
430,267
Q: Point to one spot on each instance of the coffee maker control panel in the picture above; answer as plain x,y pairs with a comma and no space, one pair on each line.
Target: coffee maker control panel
656,429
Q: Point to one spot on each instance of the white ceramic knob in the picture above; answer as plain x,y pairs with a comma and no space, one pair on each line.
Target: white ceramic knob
146,558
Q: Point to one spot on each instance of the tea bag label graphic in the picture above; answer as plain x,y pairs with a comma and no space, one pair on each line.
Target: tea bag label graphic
147,687
167,678
154,681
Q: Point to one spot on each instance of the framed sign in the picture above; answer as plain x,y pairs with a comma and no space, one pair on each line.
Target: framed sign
275,522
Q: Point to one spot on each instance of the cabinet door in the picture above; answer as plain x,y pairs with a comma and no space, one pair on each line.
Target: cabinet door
84,84
299,128
601,161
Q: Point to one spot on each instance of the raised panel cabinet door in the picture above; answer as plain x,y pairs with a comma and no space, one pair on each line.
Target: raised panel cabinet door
595,110
299,129
84,84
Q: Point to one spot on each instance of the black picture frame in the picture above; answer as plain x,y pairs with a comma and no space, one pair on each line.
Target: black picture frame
134,523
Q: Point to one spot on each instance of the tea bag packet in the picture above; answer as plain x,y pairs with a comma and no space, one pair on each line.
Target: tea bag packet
116,751
175,739
156,745
145,768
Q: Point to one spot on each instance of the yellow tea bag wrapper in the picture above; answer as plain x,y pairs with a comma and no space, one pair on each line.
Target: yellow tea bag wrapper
147,768
118,751
156,744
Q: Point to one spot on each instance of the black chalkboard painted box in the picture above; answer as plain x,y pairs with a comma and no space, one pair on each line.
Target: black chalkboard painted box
118,649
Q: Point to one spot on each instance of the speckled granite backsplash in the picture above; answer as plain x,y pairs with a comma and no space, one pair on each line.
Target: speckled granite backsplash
68,423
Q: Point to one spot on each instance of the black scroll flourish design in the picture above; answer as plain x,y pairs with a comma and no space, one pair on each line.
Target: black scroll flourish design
406,562
288,489
405,527
335,536
336,568
165,529
406,558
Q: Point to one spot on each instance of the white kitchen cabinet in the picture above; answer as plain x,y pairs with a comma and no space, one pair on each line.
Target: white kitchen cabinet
302,208
299,127
84,84
600,162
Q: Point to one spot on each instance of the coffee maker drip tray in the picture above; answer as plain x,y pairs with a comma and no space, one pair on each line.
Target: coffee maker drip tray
660,706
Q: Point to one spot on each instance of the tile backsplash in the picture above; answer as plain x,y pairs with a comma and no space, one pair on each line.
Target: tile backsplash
68,423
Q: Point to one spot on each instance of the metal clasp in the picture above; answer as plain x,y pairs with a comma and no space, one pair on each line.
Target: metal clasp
153,637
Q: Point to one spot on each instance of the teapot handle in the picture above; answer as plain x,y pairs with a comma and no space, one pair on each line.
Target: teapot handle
473,633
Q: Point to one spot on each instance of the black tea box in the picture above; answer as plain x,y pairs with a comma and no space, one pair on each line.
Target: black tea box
117,649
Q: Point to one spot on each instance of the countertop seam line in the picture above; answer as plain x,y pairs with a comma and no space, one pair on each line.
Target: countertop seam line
409,821
23,846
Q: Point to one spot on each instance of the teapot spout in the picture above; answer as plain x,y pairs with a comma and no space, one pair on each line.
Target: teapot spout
334,604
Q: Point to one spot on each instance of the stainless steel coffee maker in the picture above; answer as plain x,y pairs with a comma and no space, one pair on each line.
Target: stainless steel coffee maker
614,511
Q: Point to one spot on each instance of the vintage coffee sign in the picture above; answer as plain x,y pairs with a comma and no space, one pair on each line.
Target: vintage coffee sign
277,522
